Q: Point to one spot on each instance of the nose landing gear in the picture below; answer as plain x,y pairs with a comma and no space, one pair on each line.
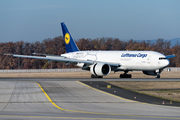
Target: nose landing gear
158,76
158,73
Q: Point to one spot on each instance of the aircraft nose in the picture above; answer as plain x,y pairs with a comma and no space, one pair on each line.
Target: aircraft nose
166,62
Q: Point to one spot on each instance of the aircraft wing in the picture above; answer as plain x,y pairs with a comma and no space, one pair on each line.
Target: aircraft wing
170,56
62,59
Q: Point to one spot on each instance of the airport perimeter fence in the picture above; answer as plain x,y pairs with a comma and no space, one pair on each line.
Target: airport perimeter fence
172,69
64,70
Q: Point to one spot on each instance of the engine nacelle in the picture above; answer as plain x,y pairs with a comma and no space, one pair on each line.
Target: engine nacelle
100,69
153,73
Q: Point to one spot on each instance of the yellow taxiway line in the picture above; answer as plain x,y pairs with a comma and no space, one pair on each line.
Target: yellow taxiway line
102,113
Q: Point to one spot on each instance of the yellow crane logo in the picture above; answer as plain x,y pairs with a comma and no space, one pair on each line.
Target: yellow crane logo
67,38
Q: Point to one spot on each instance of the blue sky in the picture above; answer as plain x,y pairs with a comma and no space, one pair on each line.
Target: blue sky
36,20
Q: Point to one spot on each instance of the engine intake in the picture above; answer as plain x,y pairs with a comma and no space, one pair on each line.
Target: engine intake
100,69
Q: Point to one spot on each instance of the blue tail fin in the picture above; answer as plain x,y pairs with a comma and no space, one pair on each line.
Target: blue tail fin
69,42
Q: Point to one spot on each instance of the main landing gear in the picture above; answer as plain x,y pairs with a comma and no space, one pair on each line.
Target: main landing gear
158,76
94,76
125,75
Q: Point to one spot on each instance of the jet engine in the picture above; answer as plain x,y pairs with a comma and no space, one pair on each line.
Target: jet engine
153,73
100,69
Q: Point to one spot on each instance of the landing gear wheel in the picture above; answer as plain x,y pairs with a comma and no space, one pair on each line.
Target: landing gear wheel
99,76
129,76
125,76
93,76
158,76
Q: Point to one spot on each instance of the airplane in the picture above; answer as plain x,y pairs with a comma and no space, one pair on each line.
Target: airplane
101,63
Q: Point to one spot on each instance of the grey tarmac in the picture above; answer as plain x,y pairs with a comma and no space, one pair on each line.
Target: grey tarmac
70,99
89,79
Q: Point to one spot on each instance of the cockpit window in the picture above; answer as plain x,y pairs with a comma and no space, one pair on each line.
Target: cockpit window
162,58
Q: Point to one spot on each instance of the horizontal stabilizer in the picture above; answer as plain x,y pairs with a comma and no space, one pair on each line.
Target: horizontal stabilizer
46,55
170,56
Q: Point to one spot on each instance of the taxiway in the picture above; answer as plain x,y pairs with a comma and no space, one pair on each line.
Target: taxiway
71,99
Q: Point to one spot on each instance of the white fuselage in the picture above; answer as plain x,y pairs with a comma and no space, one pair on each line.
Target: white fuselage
128,60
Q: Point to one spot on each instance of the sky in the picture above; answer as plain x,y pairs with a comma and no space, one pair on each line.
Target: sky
36,20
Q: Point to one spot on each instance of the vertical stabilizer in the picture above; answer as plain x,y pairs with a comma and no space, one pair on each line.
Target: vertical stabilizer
69,42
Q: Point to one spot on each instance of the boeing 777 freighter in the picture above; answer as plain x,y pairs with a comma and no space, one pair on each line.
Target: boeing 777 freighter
101,63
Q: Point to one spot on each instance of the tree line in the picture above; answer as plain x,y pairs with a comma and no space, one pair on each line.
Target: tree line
56,46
